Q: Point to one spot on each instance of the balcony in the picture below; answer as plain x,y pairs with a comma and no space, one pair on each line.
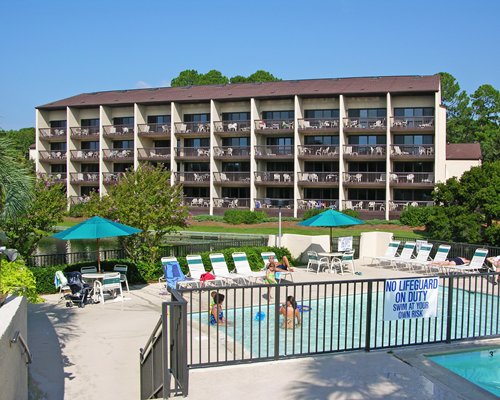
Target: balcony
192,153
232,128
85,155
365,124
84,177
412,179
317,179
192,129
236,179
273,127
406,124
53,134
232,153
154,131
192,178
122,155
318,126
274,152
399,206
197,202
52,156
118,131
87,132
231,202
274,178
273,206
366,179
53,177
318,152
364,152
78,199
111,178
154,154
407,152
365,205
308,204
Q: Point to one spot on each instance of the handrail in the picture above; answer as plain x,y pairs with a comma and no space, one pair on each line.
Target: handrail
18,338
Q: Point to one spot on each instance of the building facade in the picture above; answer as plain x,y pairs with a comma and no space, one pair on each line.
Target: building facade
373,144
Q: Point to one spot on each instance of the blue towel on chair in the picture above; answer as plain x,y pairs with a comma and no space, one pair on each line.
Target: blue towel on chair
173,273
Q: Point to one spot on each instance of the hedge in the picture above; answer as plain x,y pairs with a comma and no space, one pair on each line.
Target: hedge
142,273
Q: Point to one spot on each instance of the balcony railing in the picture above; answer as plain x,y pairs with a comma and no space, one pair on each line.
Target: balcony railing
51,133
232,126
314,151
312,177
118,154
154,153
196,177
54,177
412,177
273,203
153,129
203,152
308,204
192,127
237,177
274,151
118,131
365,123
318,124
197,201
53,155
412,150
399,205
274,177
231,151
270,124
412,123
376,150
365,205
364,177
112,177
84,132
81,177
78,199
231,202
85,155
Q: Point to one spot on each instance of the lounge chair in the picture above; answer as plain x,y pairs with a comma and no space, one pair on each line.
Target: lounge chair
197,269
279,275
439,257
390,253
61,283
242,267
220,270
173,274
405,257
423,256
474,265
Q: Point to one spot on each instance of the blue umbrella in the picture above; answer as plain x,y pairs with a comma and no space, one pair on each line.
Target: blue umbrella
331,218
96,228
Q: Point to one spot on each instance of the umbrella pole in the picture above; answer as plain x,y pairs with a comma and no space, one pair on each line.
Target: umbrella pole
331,240
98,257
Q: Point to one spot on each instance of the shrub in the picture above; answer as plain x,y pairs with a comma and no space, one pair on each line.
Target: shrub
17,279
312,212
351,212
201,218
244,217
77,210
416,216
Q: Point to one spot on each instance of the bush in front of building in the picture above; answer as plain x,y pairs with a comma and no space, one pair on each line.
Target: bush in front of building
416,216
236,217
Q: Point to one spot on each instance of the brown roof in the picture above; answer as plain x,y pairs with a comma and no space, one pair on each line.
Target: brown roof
463,151
312,87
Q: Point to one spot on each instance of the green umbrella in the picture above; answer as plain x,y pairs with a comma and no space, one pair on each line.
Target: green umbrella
331,218
96,228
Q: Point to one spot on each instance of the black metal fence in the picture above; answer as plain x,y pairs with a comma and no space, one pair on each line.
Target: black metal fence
178,250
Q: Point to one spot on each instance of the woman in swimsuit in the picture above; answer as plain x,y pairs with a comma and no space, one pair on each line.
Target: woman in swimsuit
217,315
290,312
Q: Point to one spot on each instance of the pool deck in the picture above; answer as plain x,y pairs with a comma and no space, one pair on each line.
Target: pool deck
93,353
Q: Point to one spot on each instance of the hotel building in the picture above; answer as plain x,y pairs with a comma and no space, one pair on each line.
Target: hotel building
373,144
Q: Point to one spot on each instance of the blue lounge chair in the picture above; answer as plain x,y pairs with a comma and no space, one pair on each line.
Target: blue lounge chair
173,274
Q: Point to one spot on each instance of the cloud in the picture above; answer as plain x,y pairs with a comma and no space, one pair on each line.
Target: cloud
142,85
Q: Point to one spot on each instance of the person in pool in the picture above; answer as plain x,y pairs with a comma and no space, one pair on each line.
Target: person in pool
217,315
290,312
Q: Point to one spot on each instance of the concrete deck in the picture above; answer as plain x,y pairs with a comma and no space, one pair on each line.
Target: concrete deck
93,353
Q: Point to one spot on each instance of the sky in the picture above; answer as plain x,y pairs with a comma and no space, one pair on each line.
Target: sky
53,49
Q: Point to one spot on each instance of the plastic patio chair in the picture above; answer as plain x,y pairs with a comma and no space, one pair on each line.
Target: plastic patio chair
122,269
242,267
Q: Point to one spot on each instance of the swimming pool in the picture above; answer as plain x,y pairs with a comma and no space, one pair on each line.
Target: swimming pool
479,367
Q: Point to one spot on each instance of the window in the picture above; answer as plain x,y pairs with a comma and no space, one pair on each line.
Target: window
87,190
122,167
89,168
58,124
366,167
161,143
87,123
196,192
197,167
414,112
123,144
126,121
414,167
321,166
58,168
367,139
239,193
279,193
321,194
59,146
236,116
197,142
236,142
90,146
412,194
279,166
413,139
367,112
280,141
236,167
278,115
196,117
326,114
366,194
159,119
324,140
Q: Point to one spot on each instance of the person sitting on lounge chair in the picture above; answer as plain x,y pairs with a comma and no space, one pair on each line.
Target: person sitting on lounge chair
284,266
450,262
495,263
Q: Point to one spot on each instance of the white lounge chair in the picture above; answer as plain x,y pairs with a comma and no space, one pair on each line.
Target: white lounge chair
220,270
474,265
390,253
423,256
406,255
439,257
266,256
242,267
197,269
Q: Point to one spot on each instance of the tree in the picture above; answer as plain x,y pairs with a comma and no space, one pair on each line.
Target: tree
486,105
187,77
212,77
262,76
38,220
21,139
190,77
16,182
145,200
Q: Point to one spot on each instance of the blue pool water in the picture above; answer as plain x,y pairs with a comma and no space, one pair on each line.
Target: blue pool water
479,367
339,323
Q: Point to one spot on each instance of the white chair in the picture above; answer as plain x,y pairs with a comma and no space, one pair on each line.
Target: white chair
111,284
277,177
229,151
182,128
125,129
242,267
313,177
305,124
122,269
381,179
474,265
220,269
423,256
405,257
440,256
287,178
194,202
315,261
371,205
197,269
347,261
358,206
61,283
358,177
234,203
112,129
397,151
232,127
348,151
389,254
88,270
410,178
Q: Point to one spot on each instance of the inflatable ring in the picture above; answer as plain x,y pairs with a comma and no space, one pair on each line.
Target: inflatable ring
302,308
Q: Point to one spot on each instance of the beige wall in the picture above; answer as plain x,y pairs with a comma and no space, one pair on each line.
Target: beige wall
456,168
13,368
412,101
365,102
320,104
201,108
275,105
236,106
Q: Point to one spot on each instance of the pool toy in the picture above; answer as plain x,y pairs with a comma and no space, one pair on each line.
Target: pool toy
260,316
302,308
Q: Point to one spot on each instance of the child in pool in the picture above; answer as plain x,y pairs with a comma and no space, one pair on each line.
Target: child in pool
290,312
217,315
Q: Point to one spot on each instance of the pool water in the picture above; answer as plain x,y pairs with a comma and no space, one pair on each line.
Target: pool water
479,367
